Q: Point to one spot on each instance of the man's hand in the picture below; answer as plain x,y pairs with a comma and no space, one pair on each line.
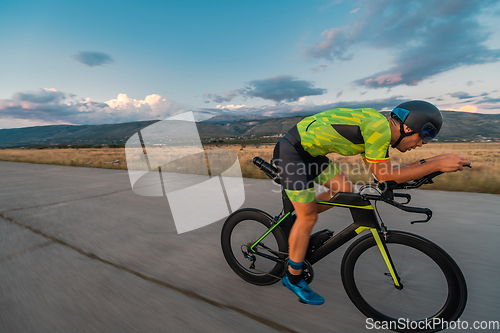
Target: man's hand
450,162
445,163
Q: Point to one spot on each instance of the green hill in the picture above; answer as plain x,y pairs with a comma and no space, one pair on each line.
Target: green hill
458,126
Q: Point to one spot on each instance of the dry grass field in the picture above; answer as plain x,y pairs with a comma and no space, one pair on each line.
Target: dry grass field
85,157
483,177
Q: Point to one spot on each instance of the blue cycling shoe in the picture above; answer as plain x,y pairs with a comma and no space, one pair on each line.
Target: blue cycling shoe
302,289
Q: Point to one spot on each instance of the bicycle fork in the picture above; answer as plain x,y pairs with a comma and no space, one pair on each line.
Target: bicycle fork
382,246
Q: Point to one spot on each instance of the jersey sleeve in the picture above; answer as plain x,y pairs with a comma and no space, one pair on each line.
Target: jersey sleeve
377,137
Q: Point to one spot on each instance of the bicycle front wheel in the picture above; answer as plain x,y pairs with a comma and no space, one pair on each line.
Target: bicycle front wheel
434,289
265,263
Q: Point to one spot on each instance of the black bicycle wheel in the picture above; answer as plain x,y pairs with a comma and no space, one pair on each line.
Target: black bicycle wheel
434,289
240,231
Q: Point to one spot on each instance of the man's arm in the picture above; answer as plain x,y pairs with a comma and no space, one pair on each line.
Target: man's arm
384,171
437,157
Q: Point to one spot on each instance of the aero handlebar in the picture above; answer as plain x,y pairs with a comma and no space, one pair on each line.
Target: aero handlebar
386,188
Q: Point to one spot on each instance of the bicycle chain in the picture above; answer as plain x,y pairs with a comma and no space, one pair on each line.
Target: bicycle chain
285,253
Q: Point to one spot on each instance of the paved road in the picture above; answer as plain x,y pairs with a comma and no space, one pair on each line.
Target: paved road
79,251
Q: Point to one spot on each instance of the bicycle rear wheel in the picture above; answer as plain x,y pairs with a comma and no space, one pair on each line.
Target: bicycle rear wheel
434,289
240,231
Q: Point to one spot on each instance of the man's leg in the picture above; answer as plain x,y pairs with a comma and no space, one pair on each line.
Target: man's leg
339,183
298,240
307,215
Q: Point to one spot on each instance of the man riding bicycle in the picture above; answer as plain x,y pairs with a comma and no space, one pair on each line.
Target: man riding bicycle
300,157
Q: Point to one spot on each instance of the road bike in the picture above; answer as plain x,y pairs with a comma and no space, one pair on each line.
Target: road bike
391,276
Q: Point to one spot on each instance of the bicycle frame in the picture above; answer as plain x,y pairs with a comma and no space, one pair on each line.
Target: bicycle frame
364,218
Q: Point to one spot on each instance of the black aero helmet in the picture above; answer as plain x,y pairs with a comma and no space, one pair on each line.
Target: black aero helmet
421,117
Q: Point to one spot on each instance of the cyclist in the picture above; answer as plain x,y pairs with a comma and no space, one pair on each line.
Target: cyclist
301,161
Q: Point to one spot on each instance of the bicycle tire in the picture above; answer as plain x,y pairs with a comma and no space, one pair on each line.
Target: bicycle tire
243,228
440,286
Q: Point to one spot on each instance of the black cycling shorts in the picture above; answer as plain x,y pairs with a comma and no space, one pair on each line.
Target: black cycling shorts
299,170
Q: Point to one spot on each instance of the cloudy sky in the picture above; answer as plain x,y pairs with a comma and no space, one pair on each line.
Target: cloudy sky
95,62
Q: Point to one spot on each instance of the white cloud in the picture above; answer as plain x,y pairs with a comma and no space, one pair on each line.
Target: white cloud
50,106
234,107
304,108
152,106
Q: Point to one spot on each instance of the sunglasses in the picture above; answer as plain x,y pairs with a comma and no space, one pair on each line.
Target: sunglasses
428,133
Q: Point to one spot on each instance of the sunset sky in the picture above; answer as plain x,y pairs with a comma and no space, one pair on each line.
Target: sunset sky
96,62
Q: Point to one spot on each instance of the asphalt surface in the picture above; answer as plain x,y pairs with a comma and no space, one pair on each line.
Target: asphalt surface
81,252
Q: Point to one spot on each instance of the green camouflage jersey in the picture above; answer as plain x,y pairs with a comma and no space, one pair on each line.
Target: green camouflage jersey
347,132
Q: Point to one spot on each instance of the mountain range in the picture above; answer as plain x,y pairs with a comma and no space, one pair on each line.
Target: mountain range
458,126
